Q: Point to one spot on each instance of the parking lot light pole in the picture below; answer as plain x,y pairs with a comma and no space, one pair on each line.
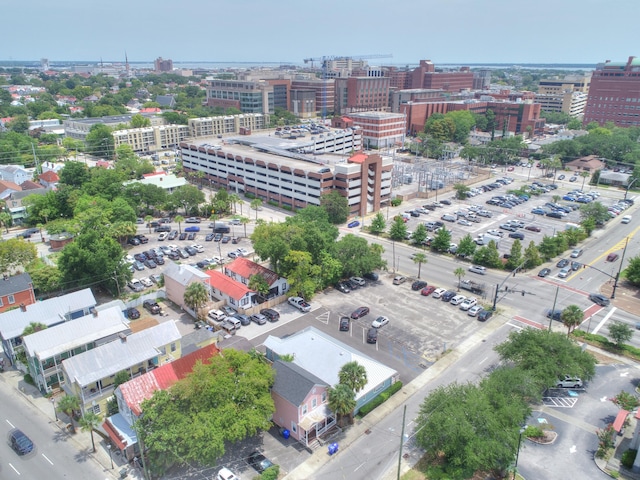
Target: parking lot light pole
518,450
110,456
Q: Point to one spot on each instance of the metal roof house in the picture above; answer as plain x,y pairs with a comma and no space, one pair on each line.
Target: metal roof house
90,375
50,312
47,349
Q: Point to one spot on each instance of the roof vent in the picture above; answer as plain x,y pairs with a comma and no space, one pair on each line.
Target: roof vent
23,307
122,336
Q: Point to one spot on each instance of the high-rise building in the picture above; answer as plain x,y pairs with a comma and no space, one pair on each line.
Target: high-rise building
359,94
246,96
162,65
614,95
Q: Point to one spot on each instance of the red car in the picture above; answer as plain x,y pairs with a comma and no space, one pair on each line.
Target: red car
360,312
510,169
426,291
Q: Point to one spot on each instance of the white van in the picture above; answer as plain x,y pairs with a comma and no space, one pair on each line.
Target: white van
626,219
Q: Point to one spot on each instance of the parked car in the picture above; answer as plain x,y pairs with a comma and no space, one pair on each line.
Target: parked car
244,319
259,462
448,295
418,285
372,335
473,311
569,382
428,290
359,281
226,474
438,292
448,218
380,322
151,306
133,313
457,299
345,324
172,235
399,279
342,287
484,315
259,318
192,229
532,228
517,235
599,299
360,312
270,314
467,303
371,276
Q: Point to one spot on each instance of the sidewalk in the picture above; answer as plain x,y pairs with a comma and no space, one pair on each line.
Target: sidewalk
80,440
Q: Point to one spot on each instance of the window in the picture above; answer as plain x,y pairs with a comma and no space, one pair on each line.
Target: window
96,409
304,409
314,402
11,299
294,427
324,397
173,347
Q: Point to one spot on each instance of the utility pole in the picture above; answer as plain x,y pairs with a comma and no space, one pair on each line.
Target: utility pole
404,416
554,307
615,283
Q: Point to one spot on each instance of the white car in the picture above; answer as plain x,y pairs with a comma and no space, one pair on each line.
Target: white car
468,303
358,281
564,273
163,236
457,300
146,281
379,322
243,252
129,259
226,474
493,231
478,269
199,248
464,223
473,311
437,293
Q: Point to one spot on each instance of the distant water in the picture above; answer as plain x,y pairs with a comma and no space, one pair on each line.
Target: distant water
208,65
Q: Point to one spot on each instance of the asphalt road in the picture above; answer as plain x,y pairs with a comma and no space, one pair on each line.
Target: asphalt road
56,455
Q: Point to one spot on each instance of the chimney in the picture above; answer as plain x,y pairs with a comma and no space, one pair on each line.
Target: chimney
122,336
23,307
94,312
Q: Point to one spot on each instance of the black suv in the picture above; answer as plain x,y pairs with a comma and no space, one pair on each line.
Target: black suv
448,295
271,314
344,324
151,306
418,285
163,228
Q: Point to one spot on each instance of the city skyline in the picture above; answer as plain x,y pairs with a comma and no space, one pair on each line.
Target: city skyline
456,31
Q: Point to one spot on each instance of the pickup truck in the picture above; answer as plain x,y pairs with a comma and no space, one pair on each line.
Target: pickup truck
472,286
300,304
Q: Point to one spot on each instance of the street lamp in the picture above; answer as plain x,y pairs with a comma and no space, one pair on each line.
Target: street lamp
629,186
518,451
55,413
111,458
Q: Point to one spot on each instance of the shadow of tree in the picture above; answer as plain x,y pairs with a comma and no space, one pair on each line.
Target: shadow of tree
60,436
83,455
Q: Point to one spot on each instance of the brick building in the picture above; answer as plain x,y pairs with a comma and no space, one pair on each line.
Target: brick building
324,91
614,94
380,129
358,94
426,76
16,291
161,65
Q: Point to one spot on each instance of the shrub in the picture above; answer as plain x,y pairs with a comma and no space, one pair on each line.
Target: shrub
271,473
626,401
628,458
28,379
395,202
380,399
533,432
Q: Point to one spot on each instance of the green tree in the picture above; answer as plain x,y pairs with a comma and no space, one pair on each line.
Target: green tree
74,174
259,284
33,327
196,296
100,141
378,224
357,256
466,247
16,253
620,333
420,258
69,404
571,317
244,221
488,256
221,402
6,220
595,211
188,196
256,204
88,423
304,277
121,377
632,272
532,256
148,219
459,273
515,255
419,235
353,375
397,233
442,240
138,121
336,206
561,356
461,191
341,401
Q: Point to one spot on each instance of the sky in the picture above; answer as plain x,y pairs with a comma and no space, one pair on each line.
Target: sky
288,31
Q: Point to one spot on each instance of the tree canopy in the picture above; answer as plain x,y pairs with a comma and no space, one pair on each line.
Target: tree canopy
219,403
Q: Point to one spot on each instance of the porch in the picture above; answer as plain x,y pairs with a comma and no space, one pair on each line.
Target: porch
317,425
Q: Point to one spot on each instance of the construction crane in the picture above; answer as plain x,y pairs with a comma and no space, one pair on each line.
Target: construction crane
325,69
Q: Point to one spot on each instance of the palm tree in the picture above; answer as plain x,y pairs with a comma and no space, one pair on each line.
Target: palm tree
556,198
459,272
341,401
256,203
571,317
353,375
419,258
148,219
179,219
5,220
69,404
88,423
233,199
584,176
196,296
244,221
240,202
